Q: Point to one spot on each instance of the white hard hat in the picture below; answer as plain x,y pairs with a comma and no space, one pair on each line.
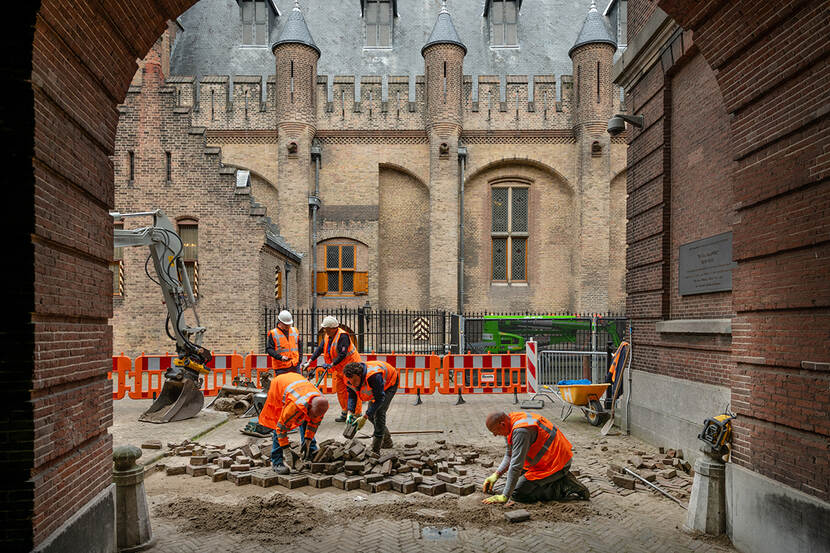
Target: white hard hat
285,317
330,322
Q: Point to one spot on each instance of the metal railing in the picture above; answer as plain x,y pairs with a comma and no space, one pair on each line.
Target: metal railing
571,365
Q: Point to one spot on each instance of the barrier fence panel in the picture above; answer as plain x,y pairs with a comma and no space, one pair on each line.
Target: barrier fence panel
224,367
483,373
571,365
148,375
416,373
121,367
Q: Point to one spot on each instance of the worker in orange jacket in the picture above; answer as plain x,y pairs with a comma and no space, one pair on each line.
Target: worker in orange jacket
283,345
537,461
338,351
377,382
292,401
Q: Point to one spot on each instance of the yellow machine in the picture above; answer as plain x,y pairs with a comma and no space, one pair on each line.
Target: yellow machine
717,433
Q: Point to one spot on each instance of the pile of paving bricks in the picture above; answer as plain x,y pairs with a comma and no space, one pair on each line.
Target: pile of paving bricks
668,470
342,465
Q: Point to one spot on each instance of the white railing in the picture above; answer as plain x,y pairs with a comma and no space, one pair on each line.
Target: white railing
571,365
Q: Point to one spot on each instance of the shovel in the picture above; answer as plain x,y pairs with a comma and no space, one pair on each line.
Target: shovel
608,425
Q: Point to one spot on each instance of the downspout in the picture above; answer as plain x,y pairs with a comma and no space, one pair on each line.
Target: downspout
462,161
314,202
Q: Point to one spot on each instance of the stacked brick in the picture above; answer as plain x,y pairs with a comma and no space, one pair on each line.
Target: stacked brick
342,465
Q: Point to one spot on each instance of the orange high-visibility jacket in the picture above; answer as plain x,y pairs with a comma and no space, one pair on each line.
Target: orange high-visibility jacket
285,345
330,351
286,406
390,375
619,356
549,453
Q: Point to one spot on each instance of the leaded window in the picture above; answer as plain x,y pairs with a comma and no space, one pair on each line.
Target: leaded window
340,269
254,22
503,23
509,232
378,16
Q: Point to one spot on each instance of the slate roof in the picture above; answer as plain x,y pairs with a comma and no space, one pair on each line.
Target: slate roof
594,31
443,32
295,31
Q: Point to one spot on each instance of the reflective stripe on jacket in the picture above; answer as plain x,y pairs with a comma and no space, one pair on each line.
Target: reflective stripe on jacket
390,376
286,406
549,452
330,351
285,345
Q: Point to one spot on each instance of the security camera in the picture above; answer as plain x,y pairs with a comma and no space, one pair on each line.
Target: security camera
616,125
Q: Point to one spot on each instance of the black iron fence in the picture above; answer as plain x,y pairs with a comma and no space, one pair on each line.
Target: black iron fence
403,331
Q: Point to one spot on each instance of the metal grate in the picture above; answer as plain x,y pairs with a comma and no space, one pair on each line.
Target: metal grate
499,202
499,258
332,257
518,217
347,257
517,259
348,281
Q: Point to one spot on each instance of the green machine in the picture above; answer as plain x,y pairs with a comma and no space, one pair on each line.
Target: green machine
499,334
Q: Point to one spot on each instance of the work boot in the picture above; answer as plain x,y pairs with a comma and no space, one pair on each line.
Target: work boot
281,469
387,439
574,487
341,418
377,441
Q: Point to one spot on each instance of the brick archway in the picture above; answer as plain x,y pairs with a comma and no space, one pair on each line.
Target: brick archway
68,66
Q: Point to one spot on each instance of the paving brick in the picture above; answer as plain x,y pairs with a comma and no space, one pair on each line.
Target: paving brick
240,467
292,481
264,478
623,481
381,486
151,444
224,462
461,489
445,477
345,482
197,470
319,481
198,460
219,475
432,489
519,515
172,471
355,467
239,478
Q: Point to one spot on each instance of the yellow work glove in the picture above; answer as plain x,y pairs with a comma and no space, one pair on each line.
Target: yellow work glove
490,482
361,421
496,499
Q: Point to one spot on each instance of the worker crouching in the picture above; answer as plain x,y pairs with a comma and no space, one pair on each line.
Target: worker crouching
292,401
376,382
537,461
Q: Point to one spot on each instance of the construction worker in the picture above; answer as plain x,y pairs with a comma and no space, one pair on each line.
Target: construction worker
337,350
283,345
377,382
537,461
292,402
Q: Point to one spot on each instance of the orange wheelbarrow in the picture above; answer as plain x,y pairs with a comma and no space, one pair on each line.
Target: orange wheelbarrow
584,396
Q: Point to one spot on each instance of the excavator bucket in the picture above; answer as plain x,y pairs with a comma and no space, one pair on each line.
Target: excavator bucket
178,400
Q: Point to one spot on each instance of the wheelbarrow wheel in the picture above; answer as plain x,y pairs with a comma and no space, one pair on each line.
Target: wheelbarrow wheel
598,417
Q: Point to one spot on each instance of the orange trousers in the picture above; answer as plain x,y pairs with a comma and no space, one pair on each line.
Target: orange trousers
338,379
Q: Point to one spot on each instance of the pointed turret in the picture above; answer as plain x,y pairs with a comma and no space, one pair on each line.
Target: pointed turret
295,31
594,31
444,31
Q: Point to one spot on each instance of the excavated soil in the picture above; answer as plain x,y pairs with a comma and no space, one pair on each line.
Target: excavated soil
275,519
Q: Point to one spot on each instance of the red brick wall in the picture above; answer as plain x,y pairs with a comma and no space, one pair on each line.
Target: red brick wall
82,60
638,13
766,176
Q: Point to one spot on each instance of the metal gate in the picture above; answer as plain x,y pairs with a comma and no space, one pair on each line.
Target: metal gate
571,365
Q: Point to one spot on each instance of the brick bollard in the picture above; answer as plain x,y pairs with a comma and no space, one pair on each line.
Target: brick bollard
132,518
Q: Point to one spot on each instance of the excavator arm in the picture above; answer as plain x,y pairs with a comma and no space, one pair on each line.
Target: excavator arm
181,397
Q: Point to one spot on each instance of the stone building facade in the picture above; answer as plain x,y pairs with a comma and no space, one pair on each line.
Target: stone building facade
398,169
730,170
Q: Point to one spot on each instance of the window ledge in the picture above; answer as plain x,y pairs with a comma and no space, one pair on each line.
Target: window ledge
695,326
510,284
517,47
376,48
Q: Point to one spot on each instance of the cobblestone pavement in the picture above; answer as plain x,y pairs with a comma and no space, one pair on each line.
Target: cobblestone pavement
614,520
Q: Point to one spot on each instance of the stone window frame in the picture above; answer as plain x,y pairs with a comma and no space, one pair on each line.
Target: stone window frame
510,183
360,278
493,14
191,263
366,25
340,269
267,6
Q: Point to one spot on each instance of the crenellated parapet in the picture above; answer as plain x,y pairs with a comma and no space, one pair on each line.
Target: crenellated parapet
395,102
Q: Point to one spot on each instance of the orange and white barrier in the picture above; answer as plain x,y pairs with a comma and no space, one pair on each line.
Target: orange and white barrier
483,373
532,359
121,367
416,372
148,375
224,367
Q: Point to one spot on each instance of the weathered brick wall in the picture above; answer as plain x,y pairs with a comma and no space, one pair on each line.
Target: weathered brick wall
638,13
733,140
403,250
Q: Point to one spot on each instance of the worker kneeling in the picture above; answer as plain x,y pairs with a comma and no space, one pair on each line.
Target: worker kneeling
537,461
377,382
292,401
